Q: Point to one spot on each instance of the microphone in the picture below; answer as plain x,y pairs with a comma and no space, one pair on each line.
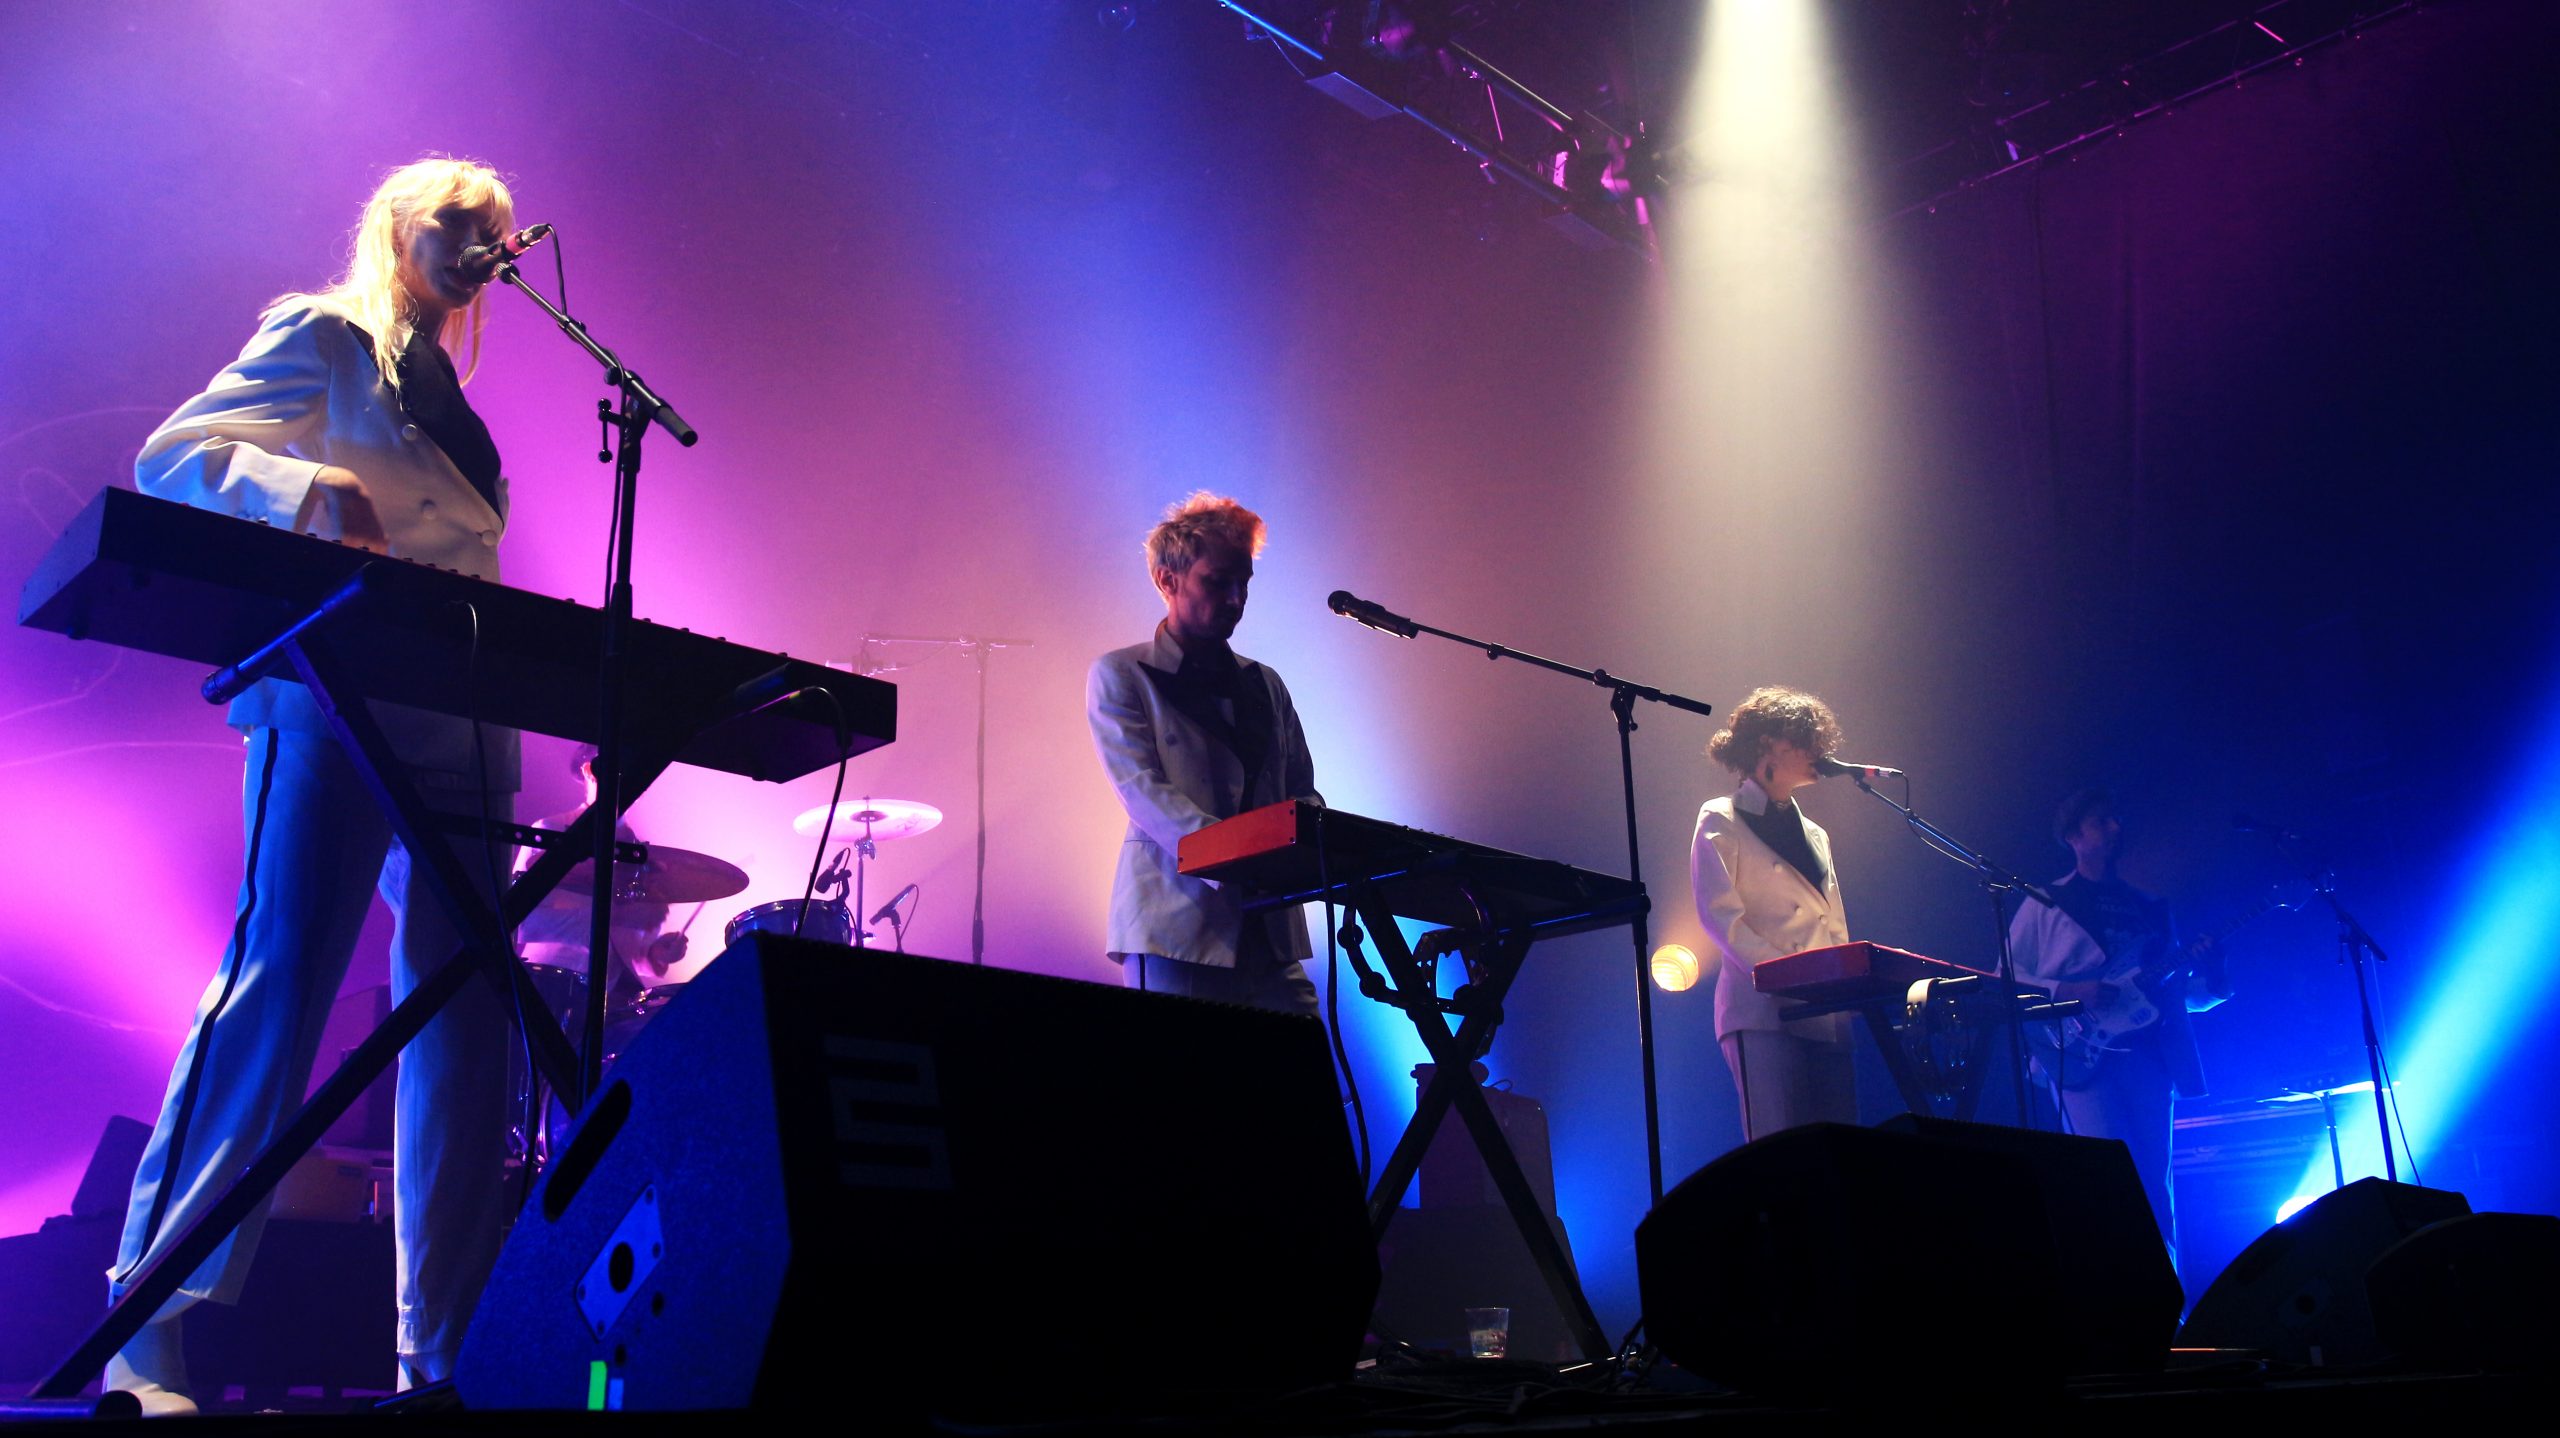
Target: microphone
1828,767
890,908
838,870
482,261
1351,606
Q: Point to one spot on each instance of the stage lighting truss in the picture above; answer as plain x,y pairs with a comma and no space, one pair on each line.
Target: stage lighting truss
1413,57
2026,115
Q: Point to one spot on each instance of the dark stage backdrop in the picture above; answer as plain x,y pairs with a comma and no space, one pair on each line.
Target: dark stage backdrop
2224,478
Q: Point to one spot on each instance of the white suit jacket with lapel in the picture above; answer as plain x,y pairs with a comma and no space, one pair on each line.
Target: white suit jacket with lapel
305,393
1173,776
1755,905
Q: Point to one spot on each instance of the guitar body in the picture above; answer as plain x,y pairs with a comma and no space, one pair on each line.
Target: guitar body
2123,1008
2129,999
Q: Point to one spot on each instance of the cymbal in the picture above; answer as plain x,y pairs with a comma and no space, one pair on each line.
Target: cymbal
871,818
672,876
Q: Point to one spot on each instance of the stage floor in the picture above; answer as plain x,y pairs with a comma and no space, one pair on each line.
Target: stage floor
1454,1396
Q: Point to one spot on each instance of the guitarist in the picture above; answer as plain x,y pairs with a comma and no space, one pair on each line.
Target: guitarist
2105,925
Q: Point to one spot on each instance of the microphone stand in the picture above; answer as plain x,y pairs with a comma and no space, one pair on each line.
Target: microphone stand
978,651
2355,942
1998,883
1623,694
639,407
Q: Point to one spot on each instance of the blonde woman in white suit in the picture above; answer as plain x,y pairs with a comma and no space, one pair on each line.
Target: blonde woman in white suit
343,417
1766,886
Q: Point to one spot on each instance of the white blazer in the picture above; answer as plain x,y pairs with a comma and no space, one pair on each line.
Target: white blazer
1173,776
1755,905
305,393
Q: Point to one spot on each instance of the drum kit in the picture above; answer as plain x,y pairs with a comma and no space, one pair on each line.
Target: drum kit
828,919
673,876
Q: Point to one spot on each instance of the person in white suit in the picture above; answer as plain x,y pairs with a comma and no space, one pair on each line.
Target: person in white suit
344,418
1766,886
1190,732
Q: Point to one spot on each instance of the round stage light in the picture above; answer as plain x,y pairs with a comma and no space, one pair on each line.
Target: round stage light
1675,967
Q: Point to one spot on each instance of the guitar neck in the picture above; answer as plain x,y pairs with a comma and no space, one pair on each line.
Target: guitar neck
2193,949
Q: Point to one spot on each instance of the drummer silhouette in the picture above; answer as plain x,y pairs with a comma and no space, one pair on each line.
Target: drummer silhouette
554,935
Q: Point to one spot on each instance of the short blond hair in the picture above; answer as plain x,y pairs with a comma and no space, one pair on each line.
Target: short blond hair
1192,524
371,290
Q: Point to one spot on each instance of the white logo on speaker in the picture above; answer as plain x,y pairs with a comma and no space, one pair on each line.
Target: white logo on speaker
888,1119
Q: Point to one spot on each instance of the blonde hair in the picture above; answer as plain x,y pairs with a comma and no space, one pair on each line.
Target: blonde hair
372,290
1193,523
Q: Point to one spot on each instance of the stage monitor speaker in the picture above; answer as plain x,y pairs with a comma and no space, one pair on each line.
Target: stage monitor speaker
2297,1293
1454,1175
1846,1263
2482,1290
2119,1282
868,1184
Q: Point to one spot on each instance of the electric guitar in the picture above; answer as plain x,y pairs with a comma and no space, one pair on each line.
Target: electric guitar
2130,993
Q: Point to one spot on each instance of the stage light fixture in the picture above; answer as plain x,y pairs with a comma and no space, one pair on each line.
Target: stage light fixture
1675,968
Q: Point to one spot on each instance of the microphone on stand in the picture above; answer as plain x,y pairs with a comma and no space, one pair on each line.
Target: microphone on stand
482,261
1376,616
837,872
890,908
1828,767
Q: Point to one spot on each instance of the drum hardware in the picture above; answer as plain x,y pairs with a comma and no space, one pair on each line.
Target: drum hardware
2325,1097
880,819
664,876
670,876
829,921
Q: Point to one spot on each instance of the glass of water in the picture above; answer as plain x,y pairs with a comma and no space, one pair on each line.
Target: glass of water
1488,1332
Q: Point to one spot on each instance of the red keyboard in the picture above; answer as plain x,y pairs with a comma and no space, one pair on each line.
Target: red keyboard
1857,972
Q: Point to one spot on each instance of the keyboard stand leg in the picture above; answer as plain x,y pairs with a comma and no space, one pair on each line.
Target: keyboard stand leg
484,953
1453,1084
1906,1075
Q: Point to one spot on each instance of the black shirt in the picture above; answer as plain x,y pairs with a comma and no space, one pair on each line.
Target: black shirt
1781,827
2127,923
431,392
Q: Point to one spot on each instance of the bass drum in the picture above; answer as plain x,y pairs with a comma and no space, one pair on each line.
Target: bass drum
829,921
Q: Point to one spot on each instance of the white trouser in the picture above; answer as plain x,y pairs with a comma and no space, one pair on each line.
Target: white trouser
325,847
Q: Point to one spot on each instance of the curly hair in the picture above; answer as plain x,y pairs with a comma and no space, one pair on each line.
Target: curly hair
1192,524
1768,715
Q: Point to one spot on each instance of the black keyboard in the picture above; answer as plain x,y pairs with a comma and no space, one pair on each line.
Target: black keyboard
168,578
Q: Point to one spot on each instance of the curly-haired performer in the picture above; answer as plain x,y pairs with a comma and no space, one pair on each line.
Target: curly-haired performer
1190,732
1765,886
344,417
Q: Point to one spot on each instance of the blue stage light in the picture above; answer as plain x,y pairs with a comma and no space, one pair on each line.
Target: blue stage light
2487,979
